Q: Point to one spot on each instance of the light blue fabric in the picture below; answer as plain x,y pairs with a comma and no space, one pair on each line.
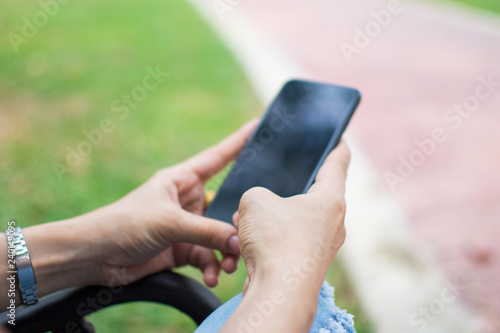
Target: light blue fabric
329,318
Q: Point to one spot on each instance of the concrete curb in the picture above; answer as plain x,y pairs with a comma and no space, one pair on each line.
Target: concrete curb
393,283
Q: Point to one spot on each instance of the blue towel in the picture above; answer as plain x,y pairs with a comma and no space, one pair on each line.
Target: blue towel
329,318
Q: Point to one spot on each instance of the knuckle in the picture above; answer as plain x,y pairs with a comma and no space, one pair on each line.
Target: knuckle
209,234
161,175
342,234
341,206
338,204
255,194
215,234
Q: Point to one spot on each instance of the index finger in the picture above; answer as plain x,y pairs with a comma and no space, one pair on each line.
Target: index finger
334,170
212,160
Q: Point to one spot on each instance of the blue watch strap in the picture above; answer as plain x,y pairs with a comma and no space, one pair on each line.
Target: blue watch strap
25,274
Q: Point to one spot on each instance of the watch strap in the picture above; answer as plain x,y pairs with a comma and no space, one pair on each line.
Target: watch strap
25,274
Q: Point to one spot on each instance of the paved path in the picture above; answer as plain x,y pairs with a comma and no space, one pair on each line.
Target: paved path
416,68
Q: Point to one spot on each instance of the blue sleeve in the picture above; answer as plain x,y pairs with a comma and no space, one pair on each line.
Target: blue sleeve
329,318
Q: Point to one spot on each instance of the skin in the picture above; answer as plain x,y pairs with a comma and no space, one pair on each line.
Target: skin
287,243
158,226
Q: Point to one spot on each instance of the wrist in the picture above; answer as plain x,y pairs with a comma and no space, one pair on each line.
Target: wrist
282,296
298,271
299,277
62,255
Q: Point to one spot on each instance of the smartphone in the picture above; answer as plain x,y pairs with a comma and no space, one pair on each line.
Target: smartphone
303,124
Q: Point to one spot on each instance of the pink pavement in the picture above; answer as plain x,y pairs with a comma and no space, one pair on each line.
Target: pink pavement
419,72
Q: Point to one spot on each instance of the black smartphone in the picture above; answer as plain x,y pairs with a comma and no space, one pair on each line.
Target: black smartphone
302,125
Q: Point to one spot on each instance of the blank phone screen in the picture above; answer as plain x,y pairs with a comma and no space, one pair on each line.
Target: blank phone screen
303,123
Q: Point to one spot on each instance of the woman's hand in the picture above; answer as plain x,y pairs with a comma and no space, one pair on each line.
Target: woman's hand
301,230
160,225
156,227
287,245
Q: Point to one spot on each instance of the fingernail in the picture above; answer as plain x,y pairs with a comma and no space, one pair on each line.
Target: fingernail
233,244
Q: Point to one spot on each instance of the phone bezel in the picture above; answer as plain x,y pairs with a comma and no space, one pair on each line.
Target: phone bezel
335,139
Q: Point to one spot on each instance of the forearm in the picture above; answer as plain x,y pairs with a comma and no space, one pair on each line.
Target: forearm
277,302
62,255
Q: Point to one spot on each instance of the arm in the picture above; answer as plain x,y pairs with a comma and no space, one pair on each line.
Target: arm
60,252
288,245
156,227
272,305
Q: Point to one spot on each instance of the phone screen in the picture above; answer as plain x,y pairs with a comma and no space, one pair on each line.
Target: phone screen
303,124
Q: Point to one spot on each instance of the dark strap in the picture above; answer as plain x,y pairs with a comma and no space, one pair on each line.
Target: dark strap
64,310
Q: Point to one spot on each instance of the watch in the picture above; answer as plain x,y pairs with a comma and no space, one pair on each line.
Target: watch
25,274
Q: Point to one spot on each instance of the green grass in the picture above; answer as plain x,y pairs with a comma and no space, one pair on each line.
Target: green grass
62,83
492,5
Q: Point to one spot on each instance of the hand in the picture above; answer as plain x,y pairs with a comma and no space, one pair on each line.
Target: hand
156,227
280,234
288,245
160,225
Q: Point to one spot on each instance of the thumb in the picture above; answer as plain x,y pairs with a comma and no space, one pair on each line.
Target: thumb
209,233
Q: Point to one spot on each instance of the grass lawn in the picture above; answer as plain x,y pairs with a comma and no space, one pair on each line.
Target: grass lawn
62,83
492,5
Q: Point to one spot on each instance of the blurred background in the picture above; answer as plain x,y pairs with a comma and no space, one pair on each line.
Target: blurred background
67,66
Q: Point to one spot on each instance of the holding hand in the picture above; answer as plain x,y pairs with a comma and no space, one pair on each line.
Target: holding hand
156,227
160,225
288,245
283,232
